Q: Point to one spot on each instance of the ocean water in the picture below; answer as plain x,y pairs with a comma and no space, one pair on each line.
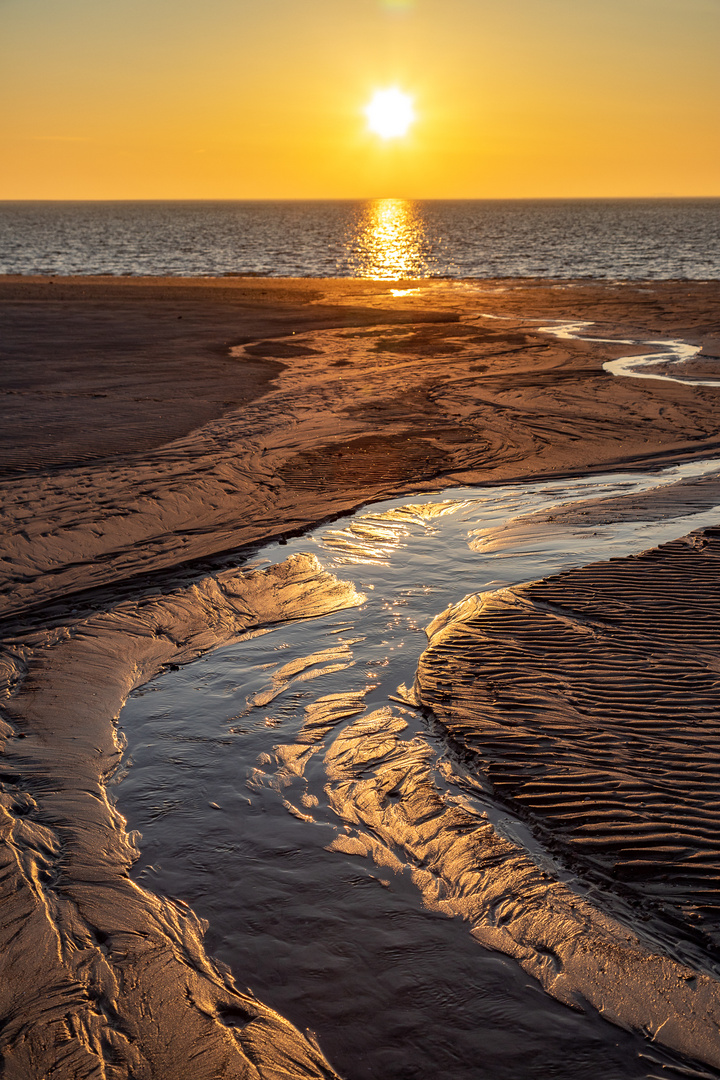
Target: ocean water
616,239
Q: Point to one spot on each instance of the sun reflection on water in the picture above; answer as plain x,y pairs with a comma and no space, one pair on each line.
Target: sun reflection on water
389,241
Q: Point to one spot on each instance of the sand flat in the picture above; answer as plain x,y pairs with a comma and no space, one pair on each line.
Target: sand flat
318,397
149,426
591,699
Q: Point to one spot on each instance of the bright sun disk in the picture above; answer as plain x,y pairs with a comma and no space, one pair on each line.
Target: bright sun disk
390,113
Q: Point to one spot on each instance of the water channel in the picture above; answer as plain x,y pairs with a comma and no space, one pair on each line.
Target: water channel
238,817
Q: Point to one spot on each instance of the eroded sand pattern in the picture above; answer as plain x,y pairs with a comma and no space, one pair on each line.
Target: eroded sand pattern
607,881
330,734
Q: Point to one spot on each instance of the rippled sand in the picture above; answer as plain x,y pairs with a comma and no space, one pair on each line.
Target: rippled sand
596,690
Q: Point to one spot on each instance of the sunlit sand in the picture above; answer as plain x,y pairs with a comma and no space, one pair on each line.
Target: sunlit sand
124,515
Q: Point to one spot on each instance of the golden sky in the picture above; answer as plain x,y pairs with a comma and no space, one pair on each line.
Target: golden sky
114,99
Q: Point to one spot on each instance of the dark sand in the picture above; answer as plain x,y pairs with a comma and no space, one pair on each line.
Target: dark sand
151,426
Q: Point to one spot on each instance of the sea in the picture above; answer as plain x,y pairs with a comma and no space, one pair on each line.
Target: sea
610,239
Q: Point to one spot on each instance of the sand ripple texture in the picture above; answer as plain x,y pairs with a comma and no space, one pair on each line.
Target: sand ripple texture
590,703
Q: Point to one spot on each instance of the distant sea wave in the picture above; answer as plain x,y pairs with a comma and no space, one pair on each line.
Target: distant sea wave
616,239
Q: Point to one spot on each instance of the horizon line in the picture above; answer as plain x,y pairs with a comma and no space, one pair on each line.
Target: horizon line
365,198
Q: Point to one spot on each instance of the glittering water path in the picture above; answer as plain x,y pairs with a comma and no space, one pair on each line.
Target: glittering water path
607,239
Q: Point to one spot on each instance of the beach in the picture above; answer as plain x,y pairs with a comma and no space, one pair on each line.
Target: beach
155,431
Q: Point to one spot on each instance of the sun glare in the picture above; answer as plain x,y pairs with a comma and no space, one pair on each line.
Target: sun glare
390,113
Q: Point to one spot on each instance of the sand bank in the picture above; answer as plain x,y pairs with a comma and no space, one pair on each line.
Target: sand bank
164,423
364,394
589,702
101,973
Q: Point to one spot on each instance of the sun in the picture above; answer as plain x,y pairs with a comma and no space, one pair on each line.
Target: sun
390,113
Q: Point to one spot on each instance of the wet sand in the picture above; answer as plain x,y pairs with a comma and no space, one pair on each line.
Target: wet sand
364,395
152,427
591,700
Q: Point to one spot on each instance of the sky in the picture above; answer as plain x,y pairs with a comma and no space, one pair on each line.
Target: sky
258,99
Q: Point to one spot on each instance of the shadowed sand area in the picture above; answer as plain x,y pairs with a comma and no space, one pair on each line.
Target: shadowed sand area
150,428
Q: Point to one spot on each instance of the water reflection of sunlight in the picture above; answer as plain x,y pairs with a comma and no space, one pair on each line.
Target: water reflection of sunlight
389,241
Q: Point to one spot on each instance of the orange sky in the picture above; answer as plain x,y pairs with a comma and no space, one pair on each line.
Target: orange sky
264,98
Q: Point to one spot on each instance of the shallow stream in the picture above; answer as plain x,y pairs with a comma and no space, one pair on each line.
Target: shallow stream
237,811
